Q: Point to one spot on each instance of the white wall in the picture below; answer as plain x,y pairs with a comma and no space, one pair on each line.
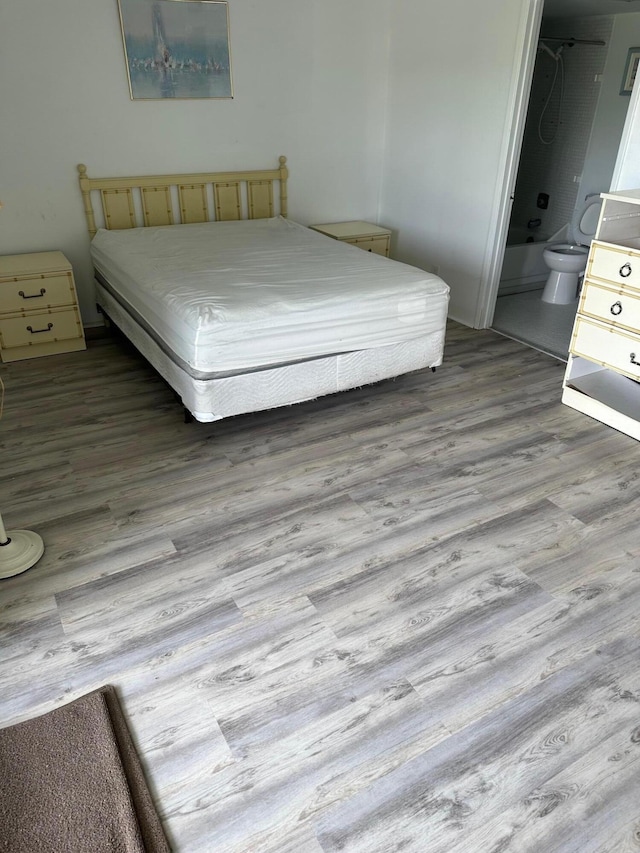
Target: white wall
451,72
309,81
612,108
627,169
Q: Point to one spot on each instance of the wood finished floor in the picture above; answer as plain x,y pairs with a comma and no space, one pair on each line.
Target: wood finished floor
402,618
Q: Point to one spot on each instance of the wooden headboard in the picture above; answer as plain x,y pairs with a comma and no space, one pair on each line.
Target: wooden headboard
174,199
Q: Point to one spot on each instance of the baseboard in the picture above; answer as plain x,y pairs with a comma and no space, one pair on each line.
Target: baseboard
93,333
513,286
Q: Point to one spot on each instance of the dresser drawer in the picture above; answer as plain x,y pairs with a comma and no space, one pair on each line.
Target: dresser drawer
606,345
36,293
615,264
39,328
618,307
377,245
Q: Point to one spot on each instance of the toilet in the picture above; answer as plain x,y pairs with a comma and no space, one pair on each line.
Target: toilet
567,261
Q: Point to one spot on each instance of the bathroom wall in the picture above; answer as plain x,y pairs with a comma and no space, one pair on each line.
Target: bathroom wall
556,168
611,113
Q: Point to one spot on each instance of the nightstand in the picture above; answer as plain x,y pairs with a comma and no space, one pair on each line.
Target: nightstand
39,312
371,238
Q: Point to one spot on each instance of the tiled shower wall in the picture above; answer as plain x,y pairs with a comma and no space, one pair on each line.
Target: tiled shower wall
555,168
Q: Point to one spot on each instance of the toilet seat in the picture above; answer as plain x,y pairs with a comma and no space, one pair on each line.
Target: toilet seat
566,258
568,249
584,221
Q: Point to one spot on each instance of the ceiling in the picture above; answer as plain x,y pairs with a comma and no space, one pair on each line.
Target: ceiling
584,8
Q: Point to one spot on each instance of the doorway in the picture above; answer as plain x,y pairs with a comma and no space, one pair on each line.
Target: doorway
562,162
587,154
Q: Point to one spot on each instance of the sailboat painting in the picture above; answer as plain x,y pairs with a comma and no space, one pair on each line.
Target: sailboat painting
176,48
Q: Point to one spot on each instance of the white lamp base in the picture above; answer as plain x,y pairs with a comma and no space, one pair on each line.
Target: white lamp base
22,550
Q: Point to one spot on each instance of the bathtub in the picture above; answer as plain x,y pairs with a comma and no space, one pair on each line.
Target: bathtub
518,236
523,267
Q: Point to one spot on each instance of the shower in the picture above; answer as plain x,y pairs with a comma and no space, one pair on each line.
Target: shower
559,69
544,46
556,55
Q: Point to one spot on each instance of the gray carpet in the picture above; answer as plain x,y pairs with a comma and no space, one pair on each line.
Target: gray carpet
71,780
524,317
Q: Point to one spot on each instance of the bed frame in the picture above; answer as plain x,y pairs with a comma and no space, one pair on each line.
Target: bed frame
155,200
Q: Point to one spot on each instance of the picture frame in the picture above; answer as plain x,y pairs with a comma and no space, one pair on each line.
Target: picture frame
630,70
176,49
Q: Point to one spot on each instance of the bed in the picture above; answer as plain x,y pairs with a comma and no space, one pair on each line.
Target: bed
241,309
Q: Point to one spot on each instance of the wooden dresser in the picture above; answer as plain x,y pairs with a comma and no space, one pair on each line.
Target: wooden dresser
602,378
39,312
364,235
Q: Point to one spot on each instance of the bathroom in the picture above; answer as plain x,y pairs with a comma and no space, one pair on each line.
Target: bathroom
575,119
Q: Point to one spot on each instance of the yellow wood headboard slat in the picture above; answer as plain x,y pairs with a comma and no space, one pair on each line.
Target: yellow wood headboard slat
227,200
193,203
154,195
260,199
117,205
156,205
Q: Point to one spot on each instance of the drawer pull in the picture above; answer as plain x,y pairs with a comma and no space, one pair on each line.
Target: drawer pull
625,270
43,290
37,331
616,308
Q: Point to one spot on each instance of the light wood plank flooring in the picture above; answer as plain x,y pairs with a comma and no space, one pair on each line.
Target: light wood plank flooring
402,618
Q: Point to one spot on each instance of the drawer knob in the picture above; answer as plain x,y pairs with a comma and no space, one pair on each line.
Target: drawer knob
43,290
36,331
625,270
632,358
616,308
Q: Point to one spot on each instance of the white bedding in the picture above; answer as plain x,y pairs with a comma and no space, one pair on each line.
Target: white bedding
228,296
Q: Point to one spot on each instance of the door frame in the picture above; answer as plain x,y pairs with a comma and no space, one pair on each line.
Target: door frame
517,105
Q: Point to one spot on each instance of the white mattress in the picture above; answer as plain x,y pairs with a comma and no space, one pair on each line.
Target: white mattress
227,296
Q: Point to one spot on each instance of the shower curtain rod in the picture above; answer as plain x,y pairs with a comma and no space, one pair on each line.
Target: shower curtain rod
572,41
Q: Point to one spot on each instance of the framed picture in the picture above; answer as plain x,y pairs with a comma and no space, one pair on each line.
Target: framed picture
176,48
630,70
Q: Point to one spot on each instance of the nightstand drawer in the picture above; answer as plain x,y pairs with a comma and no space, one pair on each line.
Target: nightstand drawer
377,245
618,307
36,293
39,328
613,264
603,344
